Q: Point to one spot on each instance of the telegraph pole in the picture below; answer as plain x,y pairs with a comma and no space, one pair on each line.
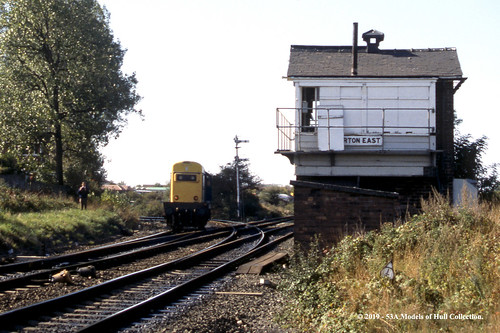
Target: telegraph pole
237,159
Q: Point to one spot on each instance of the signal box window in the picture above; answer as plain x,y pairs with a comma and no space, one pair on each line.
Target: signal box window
309,104
185,178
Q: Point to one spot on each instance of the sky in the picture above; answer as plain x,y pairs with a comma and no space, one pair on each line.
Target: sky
211,70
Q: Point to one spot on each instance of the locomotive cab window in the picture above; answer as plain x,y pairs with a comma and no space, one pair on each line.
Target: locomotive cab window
185,178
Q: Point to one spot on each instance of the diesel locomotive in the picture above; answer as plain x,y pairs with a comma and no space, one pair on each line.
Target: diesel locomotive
190,197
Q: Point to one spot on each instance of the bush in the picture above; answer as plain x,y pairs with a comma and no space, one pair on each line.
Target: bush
273,204
17,201
8,164
446,261
148,204
119,203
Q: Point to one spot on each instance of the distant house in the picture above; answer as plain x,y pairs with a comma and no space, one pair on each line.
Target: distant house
370,119
115,187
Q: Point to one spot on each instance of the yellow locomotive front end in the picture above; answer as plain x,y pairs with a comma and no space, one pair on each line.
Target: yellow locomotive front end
190,196
186,182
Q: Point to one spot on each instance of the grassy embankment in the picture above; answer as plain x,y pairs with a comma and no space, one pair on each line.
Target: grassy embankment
447,272
33,223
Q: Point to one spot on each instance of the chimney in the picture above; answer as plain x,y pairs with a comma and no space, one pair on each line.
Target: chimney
354,68
373,39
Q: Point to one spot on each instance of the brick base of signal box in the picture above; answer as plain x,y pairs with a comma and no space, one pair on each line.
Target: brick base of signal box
331,211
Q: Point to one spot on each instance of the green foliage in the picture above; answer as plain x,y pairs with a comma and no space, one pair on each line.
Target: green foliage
91,171
40,232
17,201
35,222
468,153
63,94
148,204
307,288
468,163
259,201
269,198
114,200
144,204
271,194
119,203
446,261
8,164
224,192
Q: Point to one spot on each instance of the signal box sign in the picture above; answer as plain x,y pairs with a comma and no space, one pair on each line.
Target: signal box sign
363,140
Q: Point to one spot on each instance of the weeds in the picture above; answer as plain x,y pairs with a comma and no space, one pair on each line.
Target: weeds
446,263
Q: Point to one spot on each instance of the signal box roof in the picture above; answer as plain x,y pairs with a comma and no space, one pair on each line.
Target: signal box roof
336,61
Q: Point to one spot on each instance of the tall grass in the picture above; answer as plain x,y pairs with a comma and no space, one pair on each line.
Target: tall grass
41,233
35,223
446,263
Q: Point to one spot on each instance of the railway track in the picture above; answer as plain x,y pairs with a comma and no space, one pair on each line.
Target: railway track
39,271
109,305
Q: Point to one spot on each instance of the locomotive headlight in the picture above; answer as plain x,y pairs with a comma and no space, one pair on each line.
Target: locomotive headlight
176,197
195,198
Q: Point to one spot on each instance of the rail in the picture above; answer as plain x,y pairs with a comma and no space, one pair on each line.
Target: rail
339,128
146,290
101,257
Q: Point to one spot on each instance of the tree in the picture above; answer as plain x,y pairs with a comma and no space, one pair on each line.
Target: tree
468,156
224,191
469,164
62,92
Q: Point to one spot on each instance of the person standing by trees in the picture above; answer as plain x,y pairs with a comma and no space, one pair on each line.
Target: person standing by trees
83,193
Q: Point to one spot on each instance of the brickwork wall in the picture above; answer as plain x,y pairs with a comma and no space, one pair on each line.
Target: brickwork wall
331,211
410,189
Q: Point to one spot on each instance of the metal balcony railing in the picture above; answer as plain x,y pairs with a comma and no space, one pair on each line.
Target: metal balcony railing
286,132
313,125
